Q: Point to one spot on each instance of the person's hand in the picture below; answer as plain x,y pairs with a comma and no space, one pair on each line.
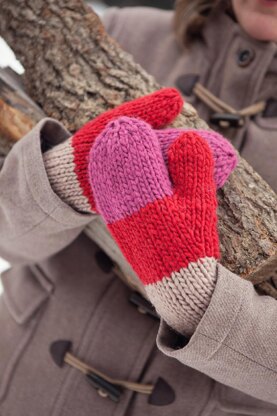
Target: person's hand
224,155
67,163
163,220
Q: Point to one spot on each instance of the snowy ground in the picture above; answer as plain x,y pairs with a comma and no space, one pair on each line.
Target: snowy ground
7,58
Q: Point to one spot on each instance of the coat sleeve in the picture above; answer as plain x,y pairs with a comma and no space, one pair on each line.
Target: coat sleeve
34,222
235,342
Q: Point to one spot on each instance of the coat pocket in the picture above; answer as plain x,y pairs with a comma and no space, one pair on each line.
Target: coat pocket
26,291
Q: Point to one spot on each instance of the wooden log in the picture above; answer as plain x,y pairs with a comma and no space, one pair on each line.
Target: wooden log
75,71
17,113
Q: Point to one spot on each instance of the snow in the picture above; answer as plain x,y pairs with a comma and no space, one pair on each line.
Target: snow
7,58
3,266
98,7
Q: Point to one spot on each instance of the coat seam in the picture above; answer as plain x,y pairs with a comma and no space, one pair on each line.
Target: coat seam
239,353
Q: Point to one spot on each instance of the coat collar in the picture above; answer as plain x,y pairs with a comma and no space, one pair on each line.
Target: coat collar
222,29
223,41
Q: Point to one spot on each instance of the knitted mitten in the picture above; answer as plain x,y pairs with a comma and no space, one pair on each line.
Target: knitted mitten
67,163
166,231
224,155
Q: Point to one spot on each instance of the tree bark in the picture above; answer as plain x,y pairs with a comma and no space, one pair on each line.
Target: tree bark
18,114
75,71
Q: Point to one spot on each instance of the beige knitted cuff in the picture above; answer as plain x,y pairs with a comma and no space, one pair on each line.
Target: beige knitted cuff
182,299
59,165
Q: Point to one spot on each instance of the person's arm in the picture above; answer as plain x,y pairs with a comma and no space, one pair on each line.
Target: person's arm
212,320
235,342
45,197
35,222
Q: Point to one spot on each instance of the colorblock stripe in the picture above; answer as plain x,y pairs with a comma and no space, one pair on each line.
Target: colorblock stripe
157,109
126,168
183,297
224,154
161,242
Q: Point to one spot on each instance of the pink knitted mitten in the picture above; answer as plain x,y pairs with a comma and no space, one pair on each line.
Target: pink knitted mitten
225,157
167,231
67,163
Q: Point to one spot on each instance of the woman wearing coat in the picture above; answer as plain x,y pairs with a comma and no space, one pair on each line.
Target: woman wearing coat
65,312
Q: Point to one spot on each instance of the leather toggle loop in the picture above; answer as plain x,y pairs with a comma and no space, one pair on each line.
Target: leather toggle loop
186,83
162,395
270,108
225,115
104,388
226,120
143,305
104,262
105,385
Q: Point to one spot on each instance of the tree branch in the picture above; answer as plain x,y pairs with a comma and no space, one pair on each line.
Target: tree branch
75,71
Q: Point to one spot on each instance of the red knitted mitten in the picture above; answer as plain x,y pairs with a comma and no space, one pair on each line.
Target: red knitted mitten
67,163
167,231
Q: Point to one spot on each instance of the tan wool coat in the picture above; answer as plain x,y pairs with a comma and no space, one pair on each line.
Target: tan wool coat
63,287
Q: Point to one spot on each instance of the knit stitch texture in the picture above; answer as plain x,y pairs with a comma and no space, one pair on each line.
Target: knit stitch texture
164,223
60,166
157,109
225,156
67,164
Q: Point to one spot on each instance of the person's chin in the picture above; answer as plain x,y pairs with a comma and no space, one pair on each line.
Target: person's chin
268,3
261,27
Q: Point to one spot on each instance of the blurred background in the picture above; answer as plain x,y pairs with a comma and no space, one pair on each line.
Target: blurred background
162,4
7,57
